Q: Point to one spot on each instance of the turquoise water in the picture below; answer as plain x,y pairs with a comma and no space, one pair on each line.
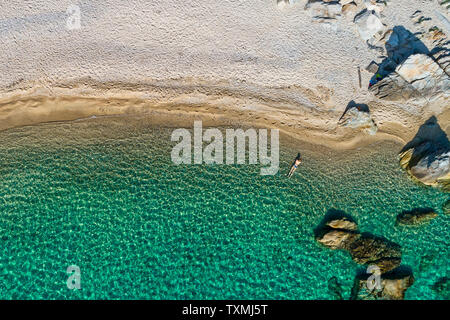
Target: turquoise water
103,194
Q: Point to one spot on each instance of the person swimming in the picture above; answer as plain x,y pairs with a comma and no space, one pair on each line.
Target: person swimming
295,165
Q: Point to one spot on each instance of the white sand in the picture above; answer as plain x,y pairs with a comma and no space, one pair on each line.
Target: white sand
235,55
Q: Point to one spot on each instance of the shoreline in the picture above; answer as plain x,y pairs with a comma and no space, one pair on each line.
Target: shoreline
215,105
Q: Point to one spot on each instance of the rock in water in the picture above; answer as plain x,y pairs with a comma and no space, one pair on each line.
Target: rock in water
376,251
337,233
427,163
442,287
335,288
342,223
337,239
446,207
341,233
427,156
393,286
416,216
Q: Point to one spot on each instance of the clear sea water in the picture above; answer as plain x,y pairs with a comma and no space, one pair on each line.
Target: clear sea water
104,195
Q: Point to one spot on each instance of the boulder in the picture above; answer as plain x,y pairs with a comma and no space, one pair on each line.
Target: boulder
368,24
428,163
358,118
373,250
416,216
373,5
418,76
342,223
350,10
423,73
341,233
393,286
337,239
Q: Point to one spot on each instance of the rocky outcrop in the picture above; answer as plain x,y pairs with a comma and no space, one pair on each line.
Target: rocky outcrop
343,223
338,233
419,76
427,156
337,239
427,163
416,216
357,117
341,233
393,286
370,250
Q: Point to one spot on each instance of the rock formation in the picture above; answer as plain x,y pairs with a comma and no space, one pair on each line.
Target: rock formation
418,76
416,216
427,156
442,287
358,116
342,233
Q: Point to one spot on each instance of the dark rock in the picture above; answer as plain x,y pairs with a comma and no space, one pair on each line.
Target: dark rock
446,207
339,231
335,288
416,216
369,249
442,287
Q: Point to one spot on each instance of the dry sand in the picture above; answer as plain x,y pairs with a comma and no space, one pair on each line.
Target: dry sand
221,61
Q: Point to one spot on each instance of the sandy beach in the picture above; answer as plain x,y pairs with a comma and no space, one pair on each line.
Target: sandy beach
254,62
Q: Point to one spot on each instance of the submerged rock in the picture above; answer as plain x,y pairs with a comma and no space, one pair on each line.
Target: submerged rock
337,239
393,287
442,287
335,288
446,207
369,249
416,216
341,233
342,223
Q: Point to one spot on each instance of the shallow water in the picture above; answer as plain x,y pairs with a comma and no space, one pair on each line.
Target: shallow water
104,195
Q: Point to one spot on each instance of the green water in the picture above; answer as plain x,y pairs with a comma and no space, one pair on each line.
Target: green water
103,194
